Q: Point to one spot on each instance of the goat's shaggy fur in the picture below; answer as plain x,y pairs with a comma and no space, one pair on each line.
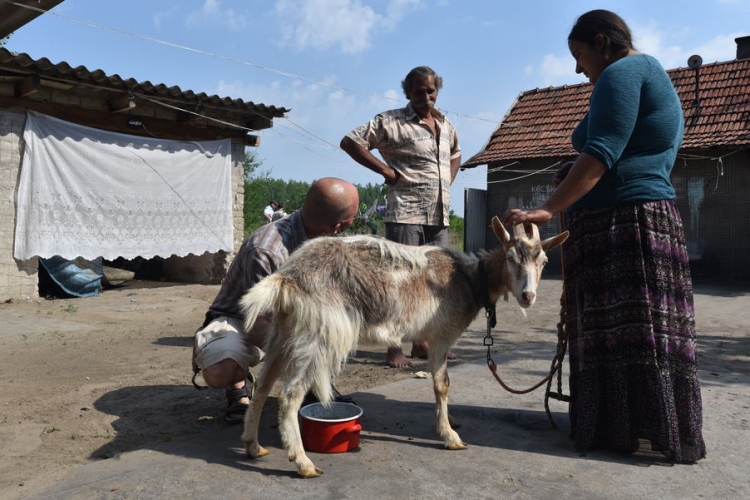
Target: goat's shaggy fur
334,292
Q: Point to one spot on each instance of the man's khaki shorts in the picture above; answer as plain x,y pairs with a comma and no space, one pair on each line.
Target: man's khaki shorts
224,338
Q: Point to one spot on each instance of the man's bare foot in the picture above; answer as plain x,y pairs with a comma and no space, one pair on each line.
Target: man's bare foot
395,358
420,350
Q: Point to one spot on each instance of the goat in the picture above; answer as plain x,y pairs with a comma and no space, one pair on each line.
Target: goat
335,291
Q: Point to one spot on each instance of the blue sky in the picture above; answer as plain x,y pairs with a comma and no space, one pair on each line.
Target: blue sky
336,63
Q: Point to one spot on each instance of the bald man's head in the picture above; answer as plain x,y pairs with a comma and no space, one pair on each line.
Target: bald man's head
330,201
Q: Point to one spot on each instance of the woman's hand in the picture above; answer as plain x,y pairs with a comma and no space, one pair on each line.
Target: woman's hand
518,216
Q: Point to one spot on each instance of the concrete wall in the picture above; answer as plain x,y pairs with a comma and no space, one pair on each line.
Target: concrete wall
712,196
18,280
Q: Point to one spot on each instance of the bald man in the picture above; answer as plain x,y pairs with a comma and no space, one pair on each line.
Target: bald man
221,352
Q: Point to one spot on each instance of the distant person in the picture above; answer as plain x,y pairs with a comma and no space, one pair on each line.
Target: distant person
421,157
269,210
221,351
279,213
628,291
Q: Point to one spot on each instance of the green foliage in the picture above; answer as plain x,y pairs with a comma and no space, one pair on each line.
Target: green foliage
372,194
260,191
369,223
456,230
250,167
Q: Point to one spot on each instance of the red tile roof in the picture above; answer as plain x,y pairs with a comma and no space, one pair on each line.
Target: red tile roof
540,122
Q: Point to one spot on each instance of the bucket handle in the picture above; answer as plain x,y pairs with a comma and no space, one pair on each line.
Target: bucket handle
353,428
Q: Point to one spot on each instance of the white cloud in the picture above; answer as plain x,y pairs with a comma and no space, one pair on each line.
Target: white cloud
159,18
348,24
211,14
650,38
556,70
720,48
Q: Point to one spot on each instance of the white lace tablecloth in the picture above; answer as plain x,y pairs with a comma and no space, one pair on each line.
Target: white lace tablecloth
89,193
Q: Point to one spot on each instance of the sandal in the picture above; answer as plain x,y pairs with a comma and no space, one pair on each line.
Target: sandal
235,410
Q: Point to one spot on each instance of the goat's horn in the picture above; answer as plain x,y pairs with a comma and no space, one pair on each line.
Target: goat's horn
519,231
534,232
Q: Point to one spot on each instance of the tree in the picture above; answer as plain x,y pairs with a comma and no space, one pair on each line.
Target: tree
456,230
260,191
250,166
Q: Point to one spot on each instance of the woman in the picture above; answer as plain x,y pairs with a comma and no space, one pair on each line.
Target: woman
628,289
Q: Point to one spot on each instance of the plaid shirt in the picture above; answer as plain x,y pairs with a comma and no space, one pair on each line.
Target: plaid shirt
261,254
422,193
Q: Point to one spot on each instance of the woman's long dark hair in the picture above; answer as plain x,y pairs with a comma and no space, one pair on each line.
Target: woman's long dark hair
617,37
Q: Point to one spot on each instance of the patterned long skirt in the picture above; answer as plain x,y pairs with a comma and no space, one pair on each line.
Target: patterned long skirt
631,328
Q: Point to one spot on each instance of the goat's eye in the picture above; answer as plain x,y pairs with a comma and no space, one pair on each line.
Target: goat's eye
513,256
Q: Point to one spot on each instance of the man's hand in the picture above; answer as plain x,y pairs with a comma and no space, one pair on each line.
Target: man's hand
392,177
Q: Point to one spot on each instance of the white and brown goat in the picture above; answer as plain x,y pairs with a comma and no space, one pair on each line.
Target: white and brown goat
334,292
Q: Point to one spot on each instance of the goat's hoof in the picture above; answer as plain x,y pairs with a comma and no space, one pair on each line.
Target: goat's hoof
254,450
310,472
456,446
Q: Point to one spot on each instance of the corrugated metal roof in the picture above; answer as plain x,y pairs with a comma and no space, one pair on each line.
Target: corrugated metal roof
15,14
84,82
540,122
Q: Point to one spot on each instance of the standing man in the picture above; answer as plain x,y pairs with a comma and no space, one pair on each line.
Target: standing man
221,349
421,157
269,210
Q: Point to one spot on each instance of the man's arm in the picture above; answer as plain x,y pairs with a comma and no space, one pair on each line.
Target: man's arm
455,160
365,158
455,164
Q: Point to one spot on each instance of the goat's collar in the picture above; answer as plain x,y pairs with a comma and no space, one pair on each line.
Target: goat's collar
484,295
484,290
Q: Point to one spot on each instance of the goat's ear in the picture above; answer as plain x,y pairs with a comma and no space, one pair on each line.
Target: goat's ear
555,241
499,230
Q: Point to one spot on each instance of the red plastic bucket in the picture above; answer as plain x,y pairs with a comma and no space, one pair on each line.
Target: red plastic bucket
330,429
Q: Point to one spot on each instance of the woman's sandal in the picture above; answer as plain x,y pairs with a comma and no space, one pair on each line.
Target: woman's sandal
235,411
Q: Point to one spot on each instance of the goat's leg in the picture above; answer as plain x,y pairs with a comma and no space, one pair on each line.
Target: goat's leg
263,386
438,361
252,420
290,401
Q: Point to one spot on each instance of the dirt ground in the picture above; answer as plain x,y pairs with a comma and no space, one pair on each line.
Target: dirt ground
84,380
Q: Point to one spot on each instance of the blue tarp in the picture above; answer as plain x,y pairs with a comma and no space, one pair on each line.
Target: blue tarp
79,279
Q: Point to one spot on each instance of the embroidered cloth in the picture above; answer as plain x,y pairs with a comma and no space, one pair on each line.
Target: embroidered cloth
89,193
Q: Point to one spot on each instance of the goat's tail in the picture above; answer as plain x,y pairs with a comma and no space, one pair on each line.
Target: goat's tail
261,298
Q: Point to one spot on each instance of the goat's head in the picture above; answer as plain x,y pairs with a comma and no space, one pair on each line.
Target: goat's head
525,257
